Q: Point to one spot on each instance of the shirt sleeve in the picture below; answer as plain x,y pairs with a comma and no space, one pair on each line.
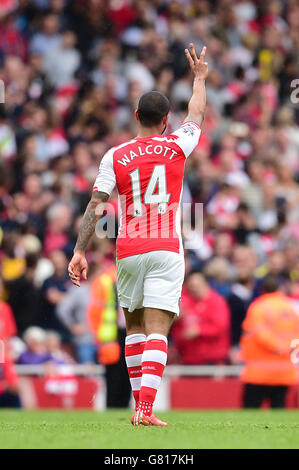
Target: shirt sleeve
187,137
106,179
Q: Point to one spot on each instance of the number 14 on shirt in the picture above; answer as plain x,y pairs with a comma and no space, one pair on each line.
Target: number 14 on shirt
158,178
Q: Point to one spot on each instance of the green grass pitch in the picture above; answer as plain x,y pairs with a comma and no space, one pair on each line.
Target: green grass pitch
112,430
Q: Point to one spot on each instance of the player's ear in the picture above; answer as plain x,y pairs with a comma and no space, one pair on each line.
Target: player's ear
136,115
165,120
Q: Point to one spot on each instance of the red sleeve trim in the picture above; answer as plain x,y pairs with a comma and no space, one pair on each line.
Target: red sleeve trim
193,122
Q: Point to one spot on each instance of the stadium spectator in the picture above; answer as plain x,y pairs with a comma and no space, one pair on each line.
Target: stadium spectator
48,37
53,347
36,352
7,322
59,220
243,291
53,292
72,311
62,62
202,334
23,296
9,382
270,325
9,391
218,272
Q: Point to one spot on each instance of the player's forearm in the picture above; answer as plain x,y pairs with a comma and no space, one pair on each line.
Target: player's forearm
92,214
197,103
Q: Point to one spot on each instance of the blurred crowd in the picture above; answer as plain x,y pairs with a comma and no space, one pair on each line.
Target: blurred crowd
73,72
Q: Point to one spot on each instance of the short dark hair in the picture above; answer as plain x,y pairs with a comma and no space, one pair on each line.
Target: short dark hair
152,108
270,284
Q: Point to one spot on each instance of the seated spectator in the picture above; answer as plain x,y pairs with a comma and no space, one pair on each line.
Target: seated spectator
275,265
223,245
53,346
202,334
221,209
62,62
47,38
245,224
59,221
36,352
218,271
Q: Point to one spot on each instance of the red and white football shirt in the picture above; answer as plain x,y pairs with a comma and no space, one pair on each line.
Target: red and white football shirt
148,173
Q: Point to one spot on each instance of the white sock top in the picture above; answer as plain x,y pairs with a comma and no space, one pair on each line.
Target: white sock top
157,336
135,338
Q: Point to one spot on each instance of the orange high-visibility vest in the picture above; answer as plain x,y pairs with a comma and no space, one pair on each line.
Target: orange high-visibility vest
102,316
270,325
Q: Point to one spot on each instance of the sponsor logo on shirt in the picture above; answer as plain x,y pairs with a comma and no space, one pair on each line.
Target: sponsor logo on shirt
187,129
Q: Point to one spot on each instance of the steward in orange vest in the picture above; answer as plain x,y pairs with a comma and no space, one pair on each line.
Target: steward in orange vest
102,316
270,326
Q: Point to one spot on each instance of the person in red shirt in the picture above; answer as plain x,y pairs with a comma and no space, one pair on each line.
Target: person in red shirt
7,322
8,377
9,390
202,335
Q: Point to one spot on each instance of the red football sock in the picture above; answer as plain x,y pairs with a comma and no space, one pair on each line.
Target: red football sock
154,359
133,351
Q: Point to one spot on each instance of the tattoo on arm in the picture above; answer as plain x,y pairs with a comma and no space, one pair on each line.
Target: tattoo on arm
91,216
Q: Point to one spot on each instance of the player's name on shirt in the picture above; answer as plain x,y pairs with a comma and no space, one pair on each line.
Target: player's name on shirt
150,149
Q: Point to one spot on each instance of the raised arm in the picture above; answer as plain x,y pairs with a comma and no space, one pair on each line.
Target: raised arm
199,68
78,264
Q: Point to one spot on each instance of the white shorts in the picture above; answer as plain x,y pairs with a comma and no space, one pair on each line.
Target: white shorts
152,279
